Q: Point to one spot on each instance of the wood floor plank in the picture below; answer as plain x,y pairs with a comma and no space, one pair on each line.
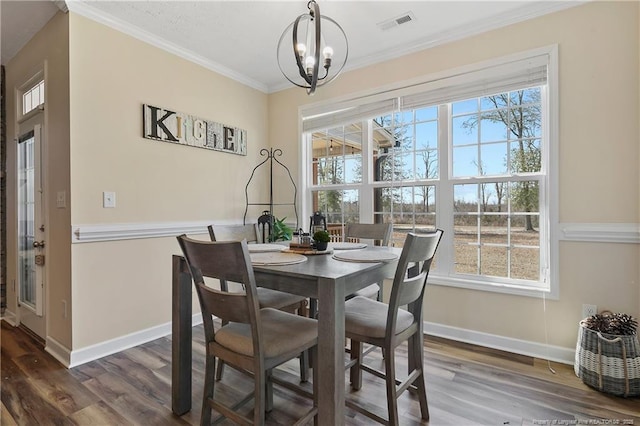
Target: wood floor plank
5,417
98,414
125,398
466,386
22,399
53,382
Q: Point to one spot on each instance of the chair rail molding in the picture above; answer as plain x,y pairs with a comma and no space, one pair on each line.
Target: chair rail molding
587,232
90,233
601,232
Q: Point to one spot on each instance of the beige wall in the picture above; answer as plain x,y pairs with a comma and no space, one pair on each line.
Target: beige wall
50,47
598,164
125,285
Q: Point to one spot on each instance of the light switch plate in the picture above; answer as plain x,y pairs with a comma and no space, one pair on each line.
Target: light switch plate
108,199
61,199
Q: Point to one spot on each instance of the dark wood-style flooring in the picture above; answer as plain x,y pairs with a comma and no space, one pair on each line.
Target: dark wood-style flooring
466,385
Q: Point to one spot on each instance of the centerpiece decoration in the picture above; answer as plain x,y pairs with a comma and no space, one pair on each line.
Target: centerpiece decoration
321,240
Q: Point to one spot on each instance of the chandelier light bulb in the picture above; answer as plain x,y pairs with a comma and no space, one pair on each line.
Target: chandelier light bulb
301,49
309,62
327,52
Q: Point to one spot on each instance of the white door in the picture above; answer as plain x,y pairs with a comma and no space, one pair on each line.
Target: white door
31,276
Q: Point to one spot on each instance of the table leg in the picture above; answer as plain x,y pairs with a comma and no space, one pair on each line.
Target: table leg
330,353
180,337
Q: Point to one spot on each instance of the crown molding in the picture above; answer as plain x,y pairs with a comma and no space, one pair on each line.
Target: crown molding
86,10
62,5
524,13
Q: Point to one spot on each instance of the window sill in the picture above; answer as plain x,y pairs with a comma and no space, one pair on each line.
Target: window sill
495,287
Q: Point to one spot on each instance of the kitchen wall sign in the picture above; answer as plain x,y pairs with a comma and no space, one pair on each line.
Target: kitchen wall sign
176,127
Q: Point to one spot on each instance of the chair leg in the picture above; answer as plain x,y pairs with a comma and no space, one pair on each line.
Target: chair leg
313,308
416,361
313,313
390,376
259,390
207,393
355,372
304,366
314,355
219,370
304,356
268,392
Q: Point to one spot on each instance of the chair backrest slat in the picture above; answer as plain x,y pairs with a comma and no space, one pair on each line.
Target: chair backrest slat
230,306
411,289
225,261
368,231
234,232
411,275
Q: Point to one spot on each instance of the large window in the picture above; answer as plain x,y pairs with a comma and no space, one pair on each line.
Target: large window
468,154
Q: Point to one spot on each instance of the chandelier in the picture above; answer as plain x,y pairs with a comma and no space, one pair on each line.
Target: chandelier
308,44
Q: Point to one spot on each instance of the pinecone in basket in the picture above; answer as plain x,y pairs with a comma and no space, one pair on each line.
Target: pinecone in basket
609,323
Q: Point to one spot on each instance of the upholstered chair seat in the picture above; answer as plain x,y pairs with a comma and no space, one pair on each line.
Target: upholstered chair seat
281,334
368,317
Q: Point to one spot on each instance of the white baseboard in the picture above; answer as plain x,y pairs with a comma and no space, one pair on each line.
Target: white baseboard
9,317
58,351
522,347
90,353
72,359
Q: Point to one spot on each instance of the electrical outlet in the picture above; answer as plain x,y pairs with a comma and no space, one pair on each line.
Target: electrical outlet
589,310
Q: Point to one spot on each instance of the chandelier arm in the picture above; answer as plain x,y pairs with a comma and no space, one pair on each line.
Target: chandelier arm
326,73
296,54
316,65
346,53
295,83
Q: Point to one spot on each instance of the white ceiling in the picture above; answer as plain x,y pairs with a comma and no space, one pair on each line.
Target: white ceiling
239,38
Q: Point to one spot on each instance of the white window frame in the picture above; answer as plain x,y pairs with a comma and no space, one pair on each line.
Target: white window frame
549,257
37,79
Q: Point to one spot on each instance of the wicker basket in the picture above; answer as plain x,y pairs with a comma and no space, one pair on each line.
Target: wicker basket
609,363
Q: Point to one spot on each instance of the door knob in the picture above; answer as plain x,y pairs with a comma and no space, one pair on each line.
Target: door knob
38,244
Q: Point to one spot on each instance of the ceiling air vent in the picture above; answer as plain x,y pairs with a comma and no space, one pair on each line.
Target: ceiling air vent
397,21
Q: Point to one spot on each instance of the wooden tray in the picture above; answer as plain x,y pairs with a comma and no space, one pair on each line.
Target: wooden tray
307,252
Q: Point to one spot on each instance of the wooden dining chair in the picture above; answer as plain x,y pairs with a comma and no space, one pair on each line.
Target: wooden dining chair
380,233
253,339
267,298
387,326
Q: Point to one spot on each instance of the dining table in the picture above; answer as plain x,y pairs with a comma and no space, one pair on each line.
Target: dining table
326,277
